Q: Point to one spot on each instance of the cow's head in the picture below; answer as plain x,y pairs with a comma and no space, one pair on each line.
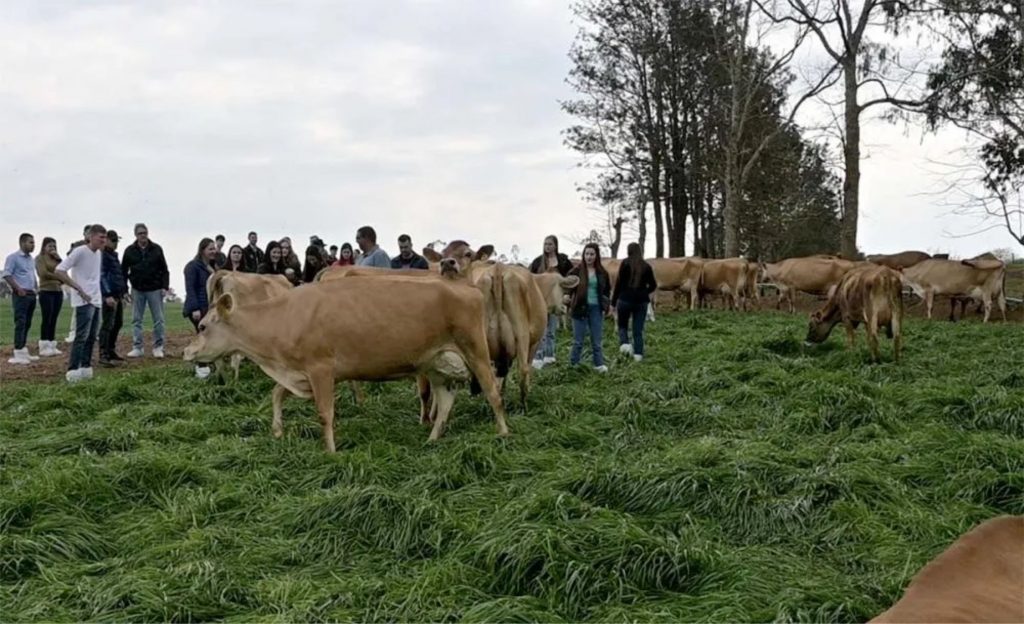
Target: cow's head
456,258
215,333
556,290
819,326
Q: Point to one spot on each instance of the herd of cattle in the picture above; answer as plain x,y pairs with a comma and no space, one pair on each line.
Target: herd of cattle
470,318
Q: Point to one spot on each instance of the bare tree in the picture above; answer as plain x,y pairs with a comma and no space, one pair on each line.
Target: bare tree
967,192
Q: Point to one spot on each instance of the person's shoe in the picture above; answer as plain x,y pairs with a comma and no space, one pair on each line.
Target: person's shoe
626,349
601,369
85,373
70,339
136,353
54,351
538,364
73,376
638,358
158,353
549,360
113,357
105,362
202,372
20,357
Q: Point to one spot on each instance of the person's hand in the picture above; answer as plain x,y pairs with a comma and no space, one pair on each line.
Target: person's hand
163,293
127,298
81,291
289,272
21,292
111,302
196,314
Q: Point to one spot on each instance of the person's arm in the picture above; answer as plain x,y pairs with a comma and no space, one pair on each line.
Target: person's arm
191,291
165,273
652,283
421,263
564,265
382,260
9,277
617,291
66,265
46,273
535,265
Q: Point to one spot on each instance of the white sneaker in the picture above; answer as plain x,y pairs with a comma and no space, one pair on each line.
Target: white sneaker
549,360
20,357
158,353
638,358
538,364
53,348
202,372
626,349
73,376
601,369
70,339
85,373
136,353
32,358
48,348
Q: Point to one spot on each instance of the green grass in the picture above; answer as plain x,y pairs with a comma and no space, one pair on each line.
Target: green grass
173,321
733,476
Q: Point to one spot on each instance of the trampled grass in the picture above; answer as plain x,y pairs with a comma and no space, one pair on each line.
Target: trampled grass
734,475
173,320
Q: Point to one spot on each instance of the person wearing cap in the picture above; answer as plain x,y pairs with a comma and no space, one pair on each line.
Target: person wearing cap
114,288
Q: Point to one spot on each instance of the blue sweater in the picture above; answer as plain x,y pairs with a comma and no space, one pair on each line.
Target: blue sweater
196,275
112,280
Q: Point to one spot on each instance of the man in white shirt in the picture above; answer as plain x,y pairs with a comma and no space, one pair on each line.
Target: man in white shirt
85,264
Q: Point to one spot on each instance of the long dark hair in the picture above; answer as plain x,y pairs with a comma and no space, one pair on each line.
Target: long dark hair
46,241
314,263
267,262
635,260
241,262
581,289
203,244
553,239
351,254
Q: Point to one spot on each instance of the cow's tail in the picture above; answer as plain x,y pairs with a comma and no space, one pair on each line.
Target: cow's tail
504,360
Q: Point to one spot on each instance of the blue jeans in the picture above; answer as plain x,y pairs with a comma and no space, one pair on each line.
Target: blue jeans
154,299
87,323
24,308
594,323
547,343
639,313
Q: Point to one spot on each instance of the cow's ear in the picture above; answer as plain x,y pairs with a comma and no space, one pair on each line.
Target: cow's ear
225,305
568,283
431,255
484,252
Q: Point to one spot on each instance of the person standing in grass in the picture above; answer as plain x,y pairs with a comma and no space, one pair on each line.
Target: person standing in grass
236,259
252,254
114,288
551,261
78,243
147,272
85,263
20,274
591,302
51,296
222,259
630,298
197,273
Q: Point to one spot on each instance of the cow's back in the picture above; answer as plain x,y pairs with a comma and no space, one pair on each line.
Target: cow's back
902,260
812,275
730,272
980,578
952,277
675,273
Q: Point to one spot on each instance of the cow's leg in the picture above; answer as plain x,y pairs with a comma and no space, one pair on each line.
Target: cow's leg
1001,301
358,394
322,384
693,298
423,389
851,335
277,397
929,301
236,364
478,360
871,327
444,398
986,300
650,311
790,298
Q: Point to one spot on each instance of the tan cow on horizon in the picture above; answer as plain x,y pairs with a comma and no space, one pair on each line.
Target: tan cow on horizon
869,294
977,279
337,330
726,277
898,261
979,578
811,275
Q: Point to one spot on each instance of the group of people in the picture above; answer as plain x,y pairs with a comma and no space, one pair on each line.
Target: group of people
100,284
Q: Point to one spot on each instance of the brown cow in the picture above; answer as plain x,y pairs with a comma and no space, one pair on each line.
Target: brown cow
869,294
977,279
752,294
516,310
436,332
902,260
726,277
815,276
679,276
979,578
963,301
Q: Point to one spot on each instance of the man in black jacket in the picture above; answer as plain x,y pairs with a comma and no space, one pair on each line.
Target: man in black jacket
252,255
114,288
146,269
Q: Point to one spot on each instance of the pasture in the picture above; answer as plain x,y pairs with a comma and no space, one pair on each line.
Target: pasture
733,476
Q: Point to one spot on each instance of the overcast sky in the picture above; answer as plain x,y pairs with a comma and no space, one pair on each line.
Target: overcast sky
435,118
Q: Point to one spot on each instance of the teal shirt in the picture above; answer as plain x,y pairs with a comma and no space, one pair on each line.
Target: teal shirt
592,290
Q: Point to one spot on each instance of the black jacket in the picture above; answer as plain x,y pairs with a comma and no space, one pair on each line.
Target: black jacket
578,307
146,269
415,262
564,265
642,293
252,259
112,280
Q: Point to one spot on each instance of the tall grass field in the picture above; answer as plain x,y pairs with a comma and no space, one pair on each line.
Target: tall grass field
734,475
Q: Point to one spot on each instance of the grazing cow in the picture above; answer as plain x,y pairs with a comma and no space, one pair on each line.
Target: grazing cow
897,261
869,294
815,276
247,288
679,276
979,578
436,332
976,279
726,277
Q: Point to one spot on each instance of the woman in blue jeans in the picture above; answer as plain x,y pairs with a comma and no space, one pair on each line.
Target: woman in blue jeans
197,273
632,294
551,261
591,301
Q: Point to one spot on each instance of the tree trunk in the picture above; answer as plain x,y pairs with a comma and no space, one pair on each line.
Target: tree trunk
617,239
851,156
730,209
641,211
659,220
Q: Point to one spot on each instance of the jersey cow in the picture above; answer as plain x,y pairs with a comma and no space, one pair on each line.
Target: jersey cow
976,279
811,275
